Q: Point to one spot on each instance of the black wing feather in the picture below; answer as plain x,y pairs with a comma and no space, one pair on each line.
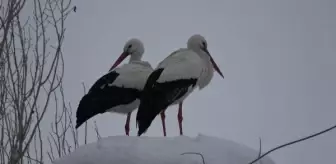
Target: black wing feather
108,78
158,96
102,97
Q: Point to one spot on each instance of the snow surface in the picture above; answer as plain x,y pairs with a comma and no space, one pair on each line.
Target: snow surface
162,150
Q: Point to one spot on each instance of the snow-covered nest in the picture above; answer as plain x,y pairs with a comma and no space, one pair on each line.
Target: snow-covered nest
162,150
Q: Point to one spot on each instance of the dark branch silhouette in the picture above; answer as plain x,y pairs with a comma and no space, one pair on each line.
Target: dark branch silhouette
259,154
196,154
293,142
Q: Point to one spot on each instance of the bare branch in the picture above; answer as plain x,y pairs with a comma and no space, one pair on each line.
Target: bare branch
30,74
259,154
293,142
196,154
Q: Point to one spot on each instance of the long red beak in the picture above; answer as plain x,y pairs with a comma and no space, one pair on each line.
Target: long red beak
119,60
216,67
214,64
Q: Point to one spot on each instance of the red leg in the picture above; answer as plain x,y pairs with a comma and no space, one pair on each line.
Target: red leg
128,123
180,117
163,117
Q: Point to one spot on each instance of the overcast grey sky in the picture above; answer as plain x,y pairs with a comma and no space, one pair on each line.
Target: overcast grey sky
278,58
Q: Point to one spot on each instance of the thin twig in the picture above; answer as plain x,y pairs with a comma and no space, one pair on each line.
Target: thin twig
85,133
196,154
97,131
259,154
293,142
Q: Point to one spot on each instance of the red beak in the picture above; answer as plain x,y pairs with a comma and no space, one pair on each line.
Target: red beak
119,60
216,67
214,64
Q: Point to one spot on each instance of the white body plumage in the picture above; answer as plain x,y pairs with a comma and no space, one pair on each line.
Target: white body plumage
131,75
185,64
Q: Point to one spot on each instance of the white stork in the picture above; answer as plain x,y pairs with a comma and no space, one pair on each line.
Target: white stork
119,90
173,80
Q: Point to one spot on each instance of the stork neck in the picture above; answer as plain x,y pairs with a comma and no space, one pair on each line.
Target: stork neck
204,56
135,57
206,59
208,70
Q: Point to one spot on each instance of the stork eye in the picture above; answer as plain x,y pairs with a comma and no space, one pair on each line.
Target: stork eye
204,44
129,46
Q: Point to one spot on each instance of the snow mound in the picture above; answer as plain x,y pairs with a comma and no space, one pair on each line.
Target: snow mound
162,150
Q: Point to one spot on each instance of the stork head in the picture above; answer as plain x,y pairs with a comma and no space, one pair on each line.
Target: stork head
199,44
134,48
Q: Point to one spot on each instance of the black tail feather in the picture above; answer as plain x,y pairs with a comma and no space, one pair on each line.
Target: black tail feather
85,111
149,104
151,110
156,97
145,119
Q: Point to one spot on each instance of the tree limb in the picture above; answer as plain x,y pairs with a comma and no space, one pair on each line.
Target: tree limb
293,142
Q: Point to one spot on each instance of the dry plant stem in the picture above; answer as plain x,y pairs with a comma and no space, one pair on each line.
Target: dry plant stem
85,132
203,160
97,131
259,154
293,142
